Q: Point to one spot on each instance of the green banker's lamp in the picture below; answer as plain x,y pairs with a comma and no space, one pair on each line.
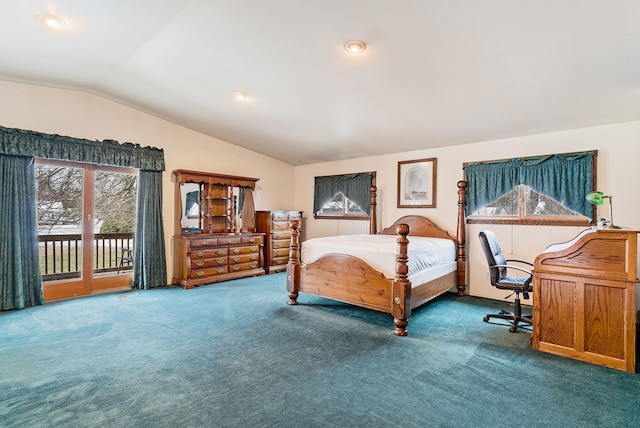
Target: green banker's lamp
597,198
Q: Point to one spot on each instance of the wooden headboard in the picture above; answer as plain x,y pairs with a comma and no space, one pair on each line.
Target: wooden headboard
418,226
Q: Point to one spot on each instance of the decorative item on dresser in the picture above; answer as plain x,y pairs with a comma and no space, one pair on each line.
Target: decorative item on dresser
212,241
584,298
277,228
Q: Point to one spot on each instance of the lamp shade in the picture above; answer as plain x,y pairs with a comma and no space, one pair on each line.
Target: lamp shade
596,198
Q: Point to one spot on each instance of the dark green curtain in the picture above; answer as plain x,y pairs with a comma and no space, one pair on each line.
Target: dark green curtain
567,178
487,181
149,266
148,249
20,277
356,187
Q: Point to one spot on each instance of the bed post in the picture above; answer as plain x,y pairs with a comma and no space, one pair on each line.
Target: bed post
401,287
462,238
293,266
373,221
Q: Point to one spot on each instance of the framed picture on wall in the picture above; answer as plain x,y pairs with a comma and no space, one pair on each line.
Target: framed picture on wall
417,183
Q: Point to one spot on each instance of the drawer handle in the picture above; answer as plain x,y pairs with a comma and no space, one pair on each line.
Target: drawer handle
235,250
254,257
200,264
199,254
236,259
236,268
205,242
220,270
253,265
201,273
221,262
220,252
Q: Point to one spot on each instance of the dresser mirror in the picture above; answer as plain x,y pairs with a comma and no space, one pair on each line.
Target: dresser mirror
190,194
208,203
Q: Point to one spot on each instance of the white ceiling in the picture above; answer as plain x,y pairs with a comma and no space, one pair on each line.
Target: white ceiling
436,72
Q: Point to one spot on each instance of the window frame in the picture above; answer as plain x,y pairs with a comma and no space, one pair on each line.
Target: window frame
345,216
522,218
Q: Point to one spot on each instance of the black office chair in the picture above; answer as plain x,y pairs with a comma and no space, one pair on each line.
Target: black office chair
498,266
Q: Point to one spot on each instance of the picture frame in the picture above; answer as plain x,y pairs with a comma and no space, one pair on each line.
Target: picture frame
417,183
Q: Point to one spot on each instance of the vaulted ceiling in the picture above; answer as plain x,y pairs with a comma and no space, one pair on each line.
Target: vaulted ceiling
435,72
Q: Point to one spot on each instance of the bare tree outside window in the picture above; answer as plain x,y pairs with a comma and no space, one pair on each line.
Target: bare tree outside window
59,196
115,201
523,202
340,205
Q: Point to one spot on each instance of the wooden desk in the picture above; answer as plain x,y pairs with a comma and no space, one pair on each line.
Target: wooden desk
584,299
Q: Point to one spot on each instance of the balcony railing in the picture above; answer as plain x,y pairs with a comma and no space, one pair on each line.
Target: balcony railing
61,255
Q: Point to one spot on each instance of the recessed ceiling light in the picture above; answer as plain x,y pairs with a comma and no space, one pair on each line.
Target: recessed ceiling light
355,46
50,20
238,95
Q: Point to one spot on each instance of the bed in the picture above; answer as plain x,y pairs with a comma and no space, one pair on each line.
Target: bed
393,284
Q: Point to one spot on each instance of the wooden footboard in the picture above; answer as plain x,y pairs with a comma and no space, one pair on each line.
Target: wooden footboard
351,280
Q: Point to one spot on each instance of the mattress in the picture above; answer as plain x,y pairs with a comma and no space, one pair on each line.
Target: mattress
380,251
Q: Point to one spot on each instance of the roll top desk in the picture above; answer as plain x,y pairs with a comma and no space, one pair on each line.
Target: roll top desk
584,298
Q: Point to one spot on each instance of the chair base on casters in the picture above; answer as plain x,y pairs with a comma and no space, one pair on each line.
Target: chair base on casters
515,318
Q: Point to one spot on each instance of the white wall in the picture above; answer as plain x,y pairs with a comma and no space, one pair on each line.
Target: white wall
618,172
82,115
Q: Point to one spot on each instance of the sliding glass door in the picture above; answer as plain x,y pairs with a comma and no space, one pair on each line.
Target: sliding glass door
86,225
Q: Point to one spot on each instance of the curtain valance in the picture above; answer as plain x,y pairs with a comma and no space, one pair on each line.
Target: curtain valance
108,152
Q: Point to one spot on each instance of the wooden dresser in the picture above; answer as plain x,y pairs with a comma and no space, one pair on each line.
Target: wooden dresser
277,228
584,299
214,233
204,259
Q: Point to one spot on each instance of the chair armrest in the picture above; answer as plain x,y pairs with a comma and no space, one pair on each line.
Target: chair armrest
520,261
513,267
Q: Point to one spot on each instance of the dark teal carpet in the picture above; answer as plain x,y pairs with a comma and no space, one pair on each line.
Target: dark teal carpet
235,354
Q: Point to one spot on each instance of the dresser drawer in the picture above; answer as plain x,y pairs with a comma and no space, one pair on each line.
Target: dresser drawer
208,253
257,239
205,263
203,273
280,252
279,261
281,234
199,243
295,215
244,258
281,225
279,215
243,250
243,266
229,240
281,244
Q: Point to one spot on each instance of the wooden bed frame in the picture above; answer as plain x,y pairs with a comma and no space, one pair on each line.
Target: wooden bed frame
350,280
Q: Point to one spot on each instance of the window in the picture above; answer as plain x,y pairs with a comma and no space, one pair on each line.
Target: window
340,205
343,196
545,190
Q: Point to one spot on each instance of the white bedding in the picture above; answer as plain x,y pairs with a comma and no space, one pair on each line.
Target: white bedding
380,251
